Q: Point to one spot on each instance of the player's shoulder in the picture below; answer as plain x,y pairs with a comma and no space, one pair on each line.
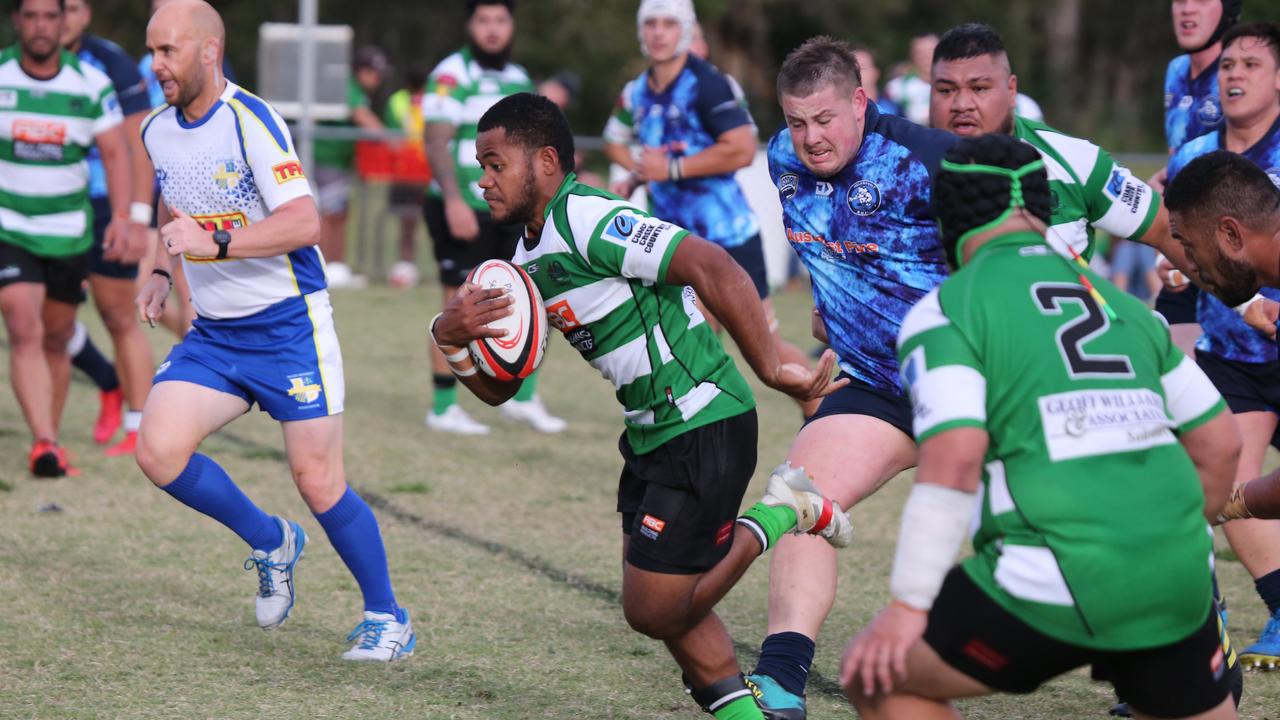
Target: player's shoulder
928,145
1192,149
1177,70
248,106
585,206
704,72
514,72
451,70
1079,154
106,51
92,79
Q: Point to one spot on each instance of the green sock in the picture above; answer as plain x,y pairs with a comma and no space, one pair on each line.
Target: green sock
744,708
772,520
443,397
527,388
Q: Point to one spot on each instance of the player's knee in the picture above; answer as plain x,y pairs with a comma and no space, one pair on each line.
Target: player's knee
160,460
658,621
320,485
119,319
25,330
55,339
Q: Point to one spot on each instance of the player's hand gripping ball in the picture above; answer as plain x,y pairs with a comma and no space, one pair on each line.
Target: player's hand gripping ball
518,353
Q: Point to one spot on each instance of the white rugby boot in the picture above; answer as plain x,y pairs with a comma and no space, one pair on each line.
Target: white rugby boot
275,594
816,514
456,420
533,413
380,637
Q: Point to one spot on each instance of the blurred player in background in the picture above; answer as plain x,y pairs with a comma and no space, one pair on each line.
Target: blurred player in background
245,226
53,107
1025,430
460,89
1191,108
619,283
871,82
113,272
854,186
693,131
910,89
1243,362
404,112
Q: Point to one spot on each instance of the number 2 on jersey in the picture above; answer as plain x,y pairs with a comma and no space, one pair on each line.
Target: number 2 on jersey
1052,299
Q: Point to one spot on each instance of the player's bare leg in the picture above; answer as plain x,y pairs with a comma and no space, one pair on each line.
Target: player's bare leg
1257,542
114,299
923,694
21,305
176,418
59,320
849,457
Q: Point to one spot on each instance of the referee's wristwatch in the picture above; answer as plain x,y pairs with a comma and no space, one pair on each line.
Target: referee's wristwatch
222,239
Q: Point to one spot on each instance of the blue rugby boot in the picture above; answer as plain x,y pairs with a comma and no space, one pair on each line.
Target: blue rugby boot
774,700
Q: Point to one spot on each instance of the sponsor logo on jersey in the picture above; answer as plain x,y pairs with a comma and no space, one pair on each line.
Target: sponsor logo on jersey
163,366
724,533
1210,111
562,317
445,85
8,99
227,176
1087,423
222,221
286,171
303,388
621,226
629,228
38,140
864,198
12,271
787,185
823,189
1115,185
581,339
651,527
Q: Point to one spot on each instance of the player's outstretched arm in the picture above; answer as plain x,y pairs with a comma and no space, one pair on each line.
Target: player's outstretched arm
293,225
730,295
466,317
1214,447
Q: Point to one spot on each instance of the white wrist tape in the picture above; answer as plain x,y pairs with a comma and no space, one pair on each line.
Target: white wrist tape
935,521
1243,307
140,213
457,356
463,373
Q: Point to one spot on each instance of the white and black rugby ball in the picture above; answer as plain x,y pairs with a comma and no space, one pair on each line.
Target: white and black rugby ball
518,353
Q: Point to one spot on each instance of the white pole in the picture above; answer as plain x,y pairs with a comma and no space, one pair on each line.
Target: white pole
308,17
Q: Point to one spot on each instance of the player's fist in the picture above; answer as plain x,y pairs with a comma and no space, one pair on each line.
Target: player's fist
1262,315
1173,278
184,236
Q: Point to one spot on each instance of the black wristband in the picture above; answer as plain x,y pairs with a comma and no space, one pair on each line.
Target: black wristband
165,274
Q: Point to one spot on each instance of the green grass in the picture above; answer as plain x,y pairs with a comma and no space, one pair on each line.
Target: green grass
506,549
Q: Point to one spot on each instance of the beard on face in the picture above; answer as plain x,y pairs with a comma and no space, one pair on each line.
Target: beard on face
1239,281
30,48
522,208
491,60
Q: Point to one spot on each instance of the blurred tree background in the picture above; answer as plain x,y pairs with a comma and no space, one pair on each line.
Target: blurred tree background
1096,66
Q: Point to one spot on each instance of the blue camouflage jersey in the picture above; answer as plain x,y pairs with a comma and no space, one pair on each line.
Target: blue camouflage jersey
1191,104
132,91
867,237
1226,334
686,118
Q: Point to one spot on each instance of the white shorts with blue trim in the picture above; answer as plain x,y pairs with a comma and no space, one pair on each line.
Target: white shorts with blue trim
285,358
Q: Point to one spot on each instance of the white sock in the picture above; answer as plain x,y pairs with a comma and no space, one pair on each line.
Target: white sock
132,420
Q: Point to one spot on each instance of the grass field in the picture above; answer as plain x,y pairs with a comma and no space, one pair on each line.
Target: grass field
123,604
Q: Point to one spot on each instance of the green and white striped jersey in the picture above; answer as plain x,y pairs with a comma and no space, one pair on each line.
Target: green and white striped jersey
1087,493
1089,190
459,91
46,130
600,265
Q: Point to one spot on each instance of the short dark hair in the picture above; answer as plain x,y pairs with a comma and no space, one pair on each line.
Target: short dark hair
966,41
818,62
1223,183
533,122
1266,32
964,201
62,5
510,5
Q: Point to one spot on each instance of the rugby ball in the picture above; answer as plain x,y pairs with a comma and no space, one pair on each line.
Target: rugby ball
518,353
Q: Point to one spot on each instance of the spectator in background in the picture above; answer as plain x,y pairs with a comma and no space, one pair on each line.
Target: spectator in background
564,88
1133,269
335,164
404,112
871,82
911,88
460,89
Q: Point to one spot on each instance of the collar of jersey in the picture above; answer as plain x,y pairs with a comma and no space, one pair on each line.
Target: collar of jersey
192,125
1016,238
1271,133
565,185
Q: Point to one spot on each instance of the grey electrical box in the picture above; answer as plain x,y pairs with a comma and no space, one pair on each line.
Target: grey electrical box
279,77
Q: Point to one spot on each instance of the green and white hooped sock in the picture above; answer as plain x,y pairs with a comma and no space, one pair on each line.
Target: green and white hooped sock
768,523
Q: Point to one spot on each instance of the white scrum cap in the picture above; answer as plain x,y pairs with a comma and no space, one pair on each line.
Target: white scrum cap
681,10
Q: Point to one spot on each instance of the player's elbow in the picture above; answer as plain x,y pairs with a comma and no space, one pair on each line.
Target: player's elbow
306,226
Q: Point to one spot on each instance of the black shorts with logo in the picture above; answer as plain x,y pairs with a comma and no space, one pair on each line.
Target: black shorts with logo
859,398
750,257
976,636
1178,308
63,277
97,264
456,258
679,502
1247,387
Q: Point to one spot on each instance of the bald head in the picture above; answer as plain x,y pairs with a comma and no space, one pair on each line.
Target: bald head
186,39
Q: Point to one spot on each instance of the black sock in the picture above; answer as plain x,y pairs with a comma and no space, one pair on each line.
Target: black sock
786,658
91,362
1268,587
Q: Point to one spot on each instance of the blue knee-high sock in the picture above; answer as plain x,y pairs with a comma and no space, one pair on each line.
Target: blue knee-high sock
206,487
353,532
786,657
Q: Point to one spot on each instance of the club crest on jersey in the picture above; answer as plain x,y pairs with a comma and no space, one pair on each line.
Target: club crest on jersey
304,389
1210,111
226,176
864,198
1186,102
787,185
